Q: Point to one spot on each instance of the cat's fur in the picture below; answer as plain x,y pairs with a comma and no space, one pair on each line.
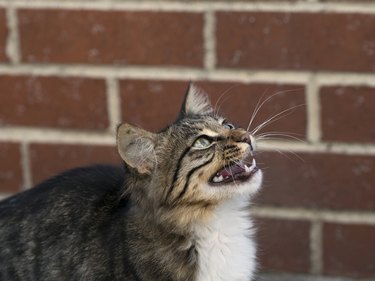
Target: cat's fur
160,217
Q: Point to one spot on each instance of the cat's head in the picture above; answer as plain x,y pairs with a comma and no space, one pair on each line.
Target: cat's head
200,160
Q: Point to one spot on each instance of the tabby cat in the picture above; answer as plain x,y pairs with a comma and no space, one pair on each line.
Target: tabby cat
176,211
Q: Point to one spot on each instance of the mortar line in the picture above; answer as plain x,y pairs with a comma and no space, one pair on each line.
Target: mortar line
182,73
113,104
323,147
47,135
12,42
316,248
42,135
311,7
4,195
26,165
209,40
159,73
289,213
313,111
344,79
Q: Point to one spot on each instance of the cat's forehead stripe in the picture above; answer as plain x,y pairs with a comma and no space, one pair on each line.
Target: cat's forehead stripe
209,133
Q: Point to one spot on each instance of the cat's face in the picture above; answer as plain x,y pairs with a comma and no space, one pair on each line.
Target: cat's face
200,159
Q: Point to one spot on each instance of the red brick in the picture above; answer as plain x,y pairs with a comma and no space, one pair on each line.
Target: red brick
144,103
3,35
151,104
311,41
349,250
283,245
10,167
50,159
111,37
348,114
67,102
318,180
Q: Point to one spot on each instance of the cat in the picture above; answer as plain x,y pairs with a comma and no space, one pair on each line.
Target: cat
177,210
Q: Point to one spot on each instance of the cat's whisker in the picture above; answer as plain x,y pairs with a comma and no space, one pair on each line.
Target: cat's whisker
255,111
259,106
281,132
275,118
217,104
277,136
288,151
231,172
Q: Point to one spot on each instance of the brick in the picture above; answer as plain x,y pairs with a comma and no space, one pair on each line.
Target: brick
144,103
348,114
296,41
50,159
151,104
3,35
349,250
10,167
67,102
111,37
318,180
283,245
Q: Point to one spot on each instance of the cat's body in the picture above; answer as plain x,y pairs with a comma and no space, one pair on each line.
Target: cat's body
177,211
61,229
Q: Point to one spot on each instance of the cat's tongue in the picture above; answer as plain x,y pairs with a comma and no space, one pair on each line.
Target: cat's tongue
235,172
232,170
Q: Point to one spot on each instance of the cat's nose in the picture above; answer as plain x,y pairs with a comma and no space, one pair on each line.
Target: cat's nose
249,139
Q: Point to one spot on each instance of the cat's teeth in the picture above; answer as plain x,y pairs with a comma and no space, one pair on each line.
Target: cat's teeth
247,169
218,179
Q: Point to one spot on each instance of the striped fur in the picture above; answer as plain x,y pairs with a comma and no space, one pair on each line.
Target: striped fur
158,218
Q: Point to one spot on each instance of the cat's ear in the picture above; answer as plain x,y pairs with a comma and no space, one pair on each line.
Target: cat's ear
136,147
196,102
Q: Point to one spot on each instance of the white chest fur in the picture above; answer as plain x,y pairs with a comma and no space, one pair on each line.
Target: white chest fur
225,248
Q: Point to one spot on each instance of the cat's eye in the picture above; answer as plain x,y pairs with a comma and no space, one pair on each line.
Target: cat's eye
228,126
202,142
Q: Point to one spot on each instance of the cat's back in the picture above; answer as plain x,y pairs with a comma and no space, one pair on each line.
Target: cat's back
70,191
58,223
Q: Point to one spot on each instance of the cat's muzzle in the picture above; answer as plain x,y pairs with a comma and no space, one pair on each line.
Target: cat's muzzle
234,172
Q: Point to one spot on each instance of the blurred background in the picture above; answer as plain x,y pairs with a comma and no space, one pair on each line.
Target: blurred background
71,70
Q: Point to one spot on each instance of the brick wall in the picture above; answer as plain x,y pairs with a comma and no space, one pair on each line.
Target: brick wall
71,70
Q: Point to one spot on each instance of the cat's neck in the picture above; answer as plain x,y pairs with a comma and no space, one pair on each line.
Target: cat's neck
215,240
224,244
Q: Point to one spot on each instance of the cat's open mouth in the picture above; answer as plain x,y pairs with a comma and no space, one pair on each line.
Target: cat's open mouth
236,172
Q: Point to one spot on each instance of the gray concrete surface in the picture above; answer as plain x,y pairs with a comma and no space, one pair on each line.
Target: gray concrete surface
288,277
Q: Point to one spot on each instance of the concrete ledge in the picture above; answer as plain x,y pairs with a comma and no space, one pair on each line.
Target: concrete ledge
289,277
